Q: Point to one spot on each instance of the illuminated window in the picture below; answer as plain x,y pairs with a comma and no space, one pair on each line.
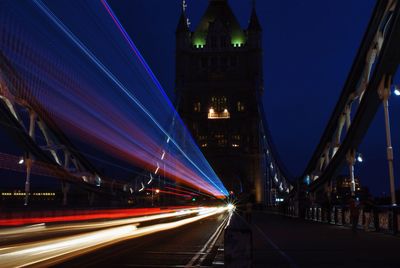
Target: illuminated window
197,107
202,138
212,114
202,141
235,141
222,142
221,139
219,108
240,106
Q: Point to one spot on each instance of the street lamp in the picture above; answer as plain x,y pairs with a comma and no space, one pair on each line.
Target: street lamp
396,90
360,157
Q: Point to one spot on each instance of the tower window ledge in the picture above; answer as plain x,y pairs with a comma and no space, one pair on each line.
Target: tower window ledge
218,115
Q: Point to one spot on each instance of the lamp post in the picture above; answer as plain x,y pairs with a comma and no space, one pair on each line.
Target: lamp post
351,160
384,94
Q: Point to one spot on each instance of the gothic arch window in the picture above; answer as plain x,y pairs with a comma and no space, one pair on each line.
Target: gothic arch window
218,108
197,106
240,106
202,139
236,140
221,139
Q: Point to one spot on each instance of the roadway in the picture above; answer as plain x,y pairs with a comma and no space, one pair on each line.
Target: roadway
183,238
181,247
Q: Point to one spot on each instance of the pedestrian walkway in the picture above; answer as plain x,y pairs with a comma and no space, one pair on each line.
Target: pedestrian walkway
280,241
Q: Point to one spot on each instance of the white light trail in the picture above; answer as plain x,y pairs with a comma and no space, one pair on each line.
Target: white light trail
60,249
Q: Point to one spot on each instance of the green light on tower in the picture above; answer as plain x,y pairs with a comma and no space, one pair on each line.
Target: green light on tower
237,41
199,42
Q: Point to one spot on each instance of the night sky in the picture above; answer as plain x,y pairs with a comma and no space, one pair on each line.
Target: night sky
309,47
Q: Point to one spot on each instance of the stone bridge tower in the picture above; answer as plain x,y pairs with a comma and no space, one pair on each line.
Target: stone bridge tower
219,83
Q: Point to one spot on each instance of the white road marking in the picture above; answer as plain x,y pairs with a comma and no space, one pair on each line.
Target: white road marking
207,248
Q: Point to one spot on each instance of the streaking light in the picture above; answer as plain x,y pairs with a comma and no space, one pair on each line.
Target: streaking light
157,169
105,97
231,207
64,248
142,188
151,179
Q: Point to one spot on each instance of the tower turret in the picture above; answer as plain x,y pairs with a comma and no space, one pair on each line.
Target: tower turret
182,32
254,30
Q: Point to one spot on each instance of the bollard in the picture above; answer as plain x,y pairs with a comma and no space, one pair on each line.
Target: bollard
238,244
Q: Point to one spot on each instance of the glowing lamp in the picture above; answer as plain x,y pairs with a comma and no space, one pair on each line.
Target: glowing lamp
396,91
360,158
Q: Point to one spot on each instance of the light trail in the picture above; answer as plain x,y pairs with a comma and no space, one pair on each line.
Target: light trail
75,95
52,251
169,193
42,228
92,215
221,189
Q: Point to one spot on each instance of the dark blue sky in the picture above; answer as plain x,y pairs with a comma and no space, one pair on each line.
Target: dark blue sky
309,47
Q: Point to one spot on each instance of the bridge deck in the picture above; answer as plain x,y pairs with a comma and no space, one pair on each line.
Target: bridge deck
280,241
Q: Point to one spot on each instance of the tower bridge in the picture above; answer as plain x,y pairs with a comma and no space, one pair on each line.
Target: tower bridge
84,108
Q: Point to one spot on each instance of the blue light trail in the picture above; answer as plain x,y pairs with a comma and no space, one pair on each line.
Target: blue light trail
98,90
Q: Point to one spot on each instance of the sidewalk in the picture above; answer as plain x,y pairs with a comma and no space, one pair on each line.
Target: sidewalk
280,241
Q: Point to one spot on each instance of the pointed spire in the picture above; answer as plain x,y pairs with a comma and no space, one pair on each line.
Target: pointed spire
254,23
183,23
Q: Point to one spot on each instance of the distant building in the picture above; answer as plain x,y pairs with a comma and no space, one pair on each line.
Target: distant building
219,83
18,196
342,189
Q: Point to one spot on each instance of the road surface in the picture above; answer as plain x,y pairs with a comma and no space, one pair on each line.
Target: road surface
183,237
